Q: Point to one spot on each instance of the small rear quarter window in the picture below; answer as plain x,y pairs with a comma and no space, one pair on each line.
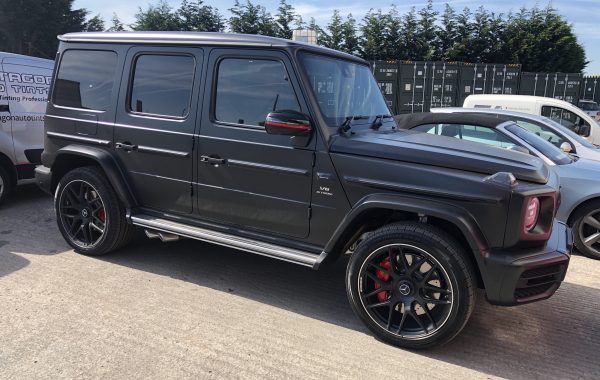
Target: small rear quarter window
85,79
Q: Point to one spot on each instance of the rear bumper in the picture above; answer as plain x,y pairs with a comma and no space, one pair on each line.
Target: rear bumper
522,276
43,178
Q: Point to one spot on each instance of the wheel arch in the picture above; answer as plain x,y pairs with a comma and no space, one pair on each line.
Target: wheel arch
583,203
75,156
377,210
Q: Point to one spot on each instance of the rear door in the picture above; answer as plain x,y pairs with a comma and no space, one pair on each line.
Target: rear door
156,116
246,177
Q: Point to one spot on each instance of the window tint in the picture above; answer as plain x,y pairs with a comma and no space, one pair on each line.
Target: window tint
562,116
248,89
473,133
162,85
85,79
543,132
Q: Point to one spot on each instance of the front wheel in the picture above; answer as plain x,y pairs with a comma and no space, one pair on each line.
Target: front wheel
6,184
89,215
412,285
586,230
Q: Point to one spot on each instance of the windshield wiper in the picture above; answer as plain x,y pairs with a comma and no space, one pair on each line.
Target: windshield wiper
378,121
347,124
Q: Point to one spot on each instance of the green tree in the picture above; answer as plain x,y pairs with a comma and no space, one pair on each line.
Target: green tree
461,49
392,40
541,40
321,35
116,24
95,24
30,26
410,43
251,19
195,16
334,36
426,38
446,33
284,18
373,36
159,17
351,43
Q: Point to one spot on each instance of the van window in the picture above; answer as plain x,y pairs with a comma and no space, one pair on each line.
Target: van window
564,117
85,79
162,85
475,133
248,89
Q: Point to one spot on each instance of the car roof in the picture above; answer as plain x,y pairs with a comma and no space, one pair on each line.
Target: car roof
198,38
4,55
494,111
409,121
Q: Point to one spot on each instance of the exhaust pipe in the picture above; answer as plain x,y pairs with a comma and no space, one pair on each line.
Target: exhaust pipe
163,236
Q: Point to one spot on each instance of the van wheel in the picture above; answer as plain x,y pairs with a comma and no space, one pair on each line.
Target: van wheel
89,215
586,230
412,285
6,184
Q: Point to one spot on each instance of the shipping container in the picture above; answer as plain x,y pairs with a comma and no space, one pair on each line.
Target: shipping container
386,75
488,78
563,86
424,85
590,88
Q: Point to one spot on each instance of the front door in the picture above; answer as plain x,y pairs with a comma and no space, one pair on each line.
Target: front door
155,124
246,177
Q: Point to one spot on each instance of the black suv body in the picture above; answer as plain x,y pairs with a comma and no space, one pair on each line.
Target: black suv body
287,150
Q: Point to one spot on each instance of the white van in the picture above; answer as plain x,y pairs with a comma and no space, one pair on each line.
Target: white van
558,110
24,84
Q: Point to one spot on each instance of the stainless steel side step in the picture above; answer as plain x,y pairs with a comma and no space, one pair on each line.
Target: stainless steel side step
257,247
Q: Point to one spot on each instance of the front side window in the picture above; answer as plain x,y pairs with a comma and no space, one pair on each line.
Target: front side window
162,85
474,133
542,131
248,89
563,116
550,151
85,79
343,89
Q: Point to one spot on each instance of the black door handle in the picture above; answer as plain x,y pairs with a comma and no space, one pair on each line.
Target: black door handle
215,161
4,108
126,146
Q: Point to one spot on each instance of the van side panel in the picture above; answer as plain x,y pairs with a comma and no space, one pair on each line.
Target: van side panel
6,145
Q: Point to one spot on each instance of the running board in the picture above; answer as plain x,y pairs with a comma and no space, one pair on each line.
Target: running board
257,247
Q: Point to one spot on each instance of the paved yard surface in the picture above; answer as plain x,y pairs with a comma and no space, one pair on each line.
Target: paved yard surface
195,310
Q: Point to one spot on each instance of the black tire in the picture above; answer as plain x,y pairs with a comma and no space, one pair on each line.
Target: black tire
584,220
409,288
89,215
6,184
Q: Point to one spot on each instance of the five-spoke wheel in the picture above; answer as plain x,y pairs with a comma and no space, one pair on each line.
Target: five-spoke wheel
586,229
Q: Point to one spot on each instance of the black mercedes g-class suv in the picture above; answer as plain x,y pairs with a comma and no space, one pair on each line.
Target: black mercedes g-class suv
288,150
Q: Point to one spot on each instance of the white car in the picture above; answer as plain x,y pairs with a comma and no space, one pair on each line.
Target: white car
560,111
590,107
24,84
551,131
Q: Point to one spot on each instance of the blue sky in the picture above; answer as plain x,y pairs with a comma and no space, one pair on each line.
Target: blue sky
583,14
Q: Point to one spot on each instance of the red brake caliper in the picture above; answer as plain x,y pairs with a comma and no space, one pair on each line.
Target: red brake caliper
385,263
102,215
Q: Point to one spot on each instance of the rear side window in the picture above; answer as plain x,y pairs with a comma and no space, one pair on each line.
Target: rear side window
162,85
473,133
248,89
85,79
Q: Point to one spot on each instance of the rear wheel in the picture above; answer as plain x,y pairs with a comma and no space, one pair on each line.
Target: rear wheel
412,285
586,230
90,216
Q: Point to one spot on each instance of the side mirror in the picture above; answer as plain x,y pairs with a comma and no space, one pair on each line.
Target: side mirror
566,147
289,123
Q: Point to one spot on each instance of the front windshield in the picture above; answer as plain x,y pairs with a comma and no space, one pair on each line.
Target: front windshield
343,89
574,136
544,147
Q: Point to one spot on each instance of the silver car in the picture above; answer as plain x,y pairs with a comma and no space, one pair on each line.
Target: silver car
579,177
548,129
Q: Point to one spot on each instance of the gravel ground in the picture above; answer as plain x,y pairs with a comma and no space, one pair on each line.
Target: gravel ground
194,310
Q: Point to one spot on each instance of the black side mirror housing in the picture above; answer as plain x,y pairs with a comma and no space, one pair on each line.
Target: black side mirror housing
288,123
584,130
